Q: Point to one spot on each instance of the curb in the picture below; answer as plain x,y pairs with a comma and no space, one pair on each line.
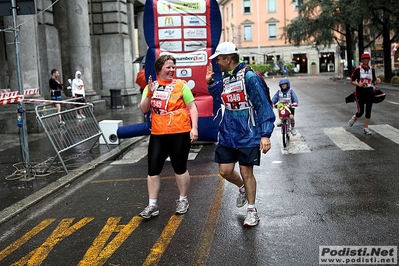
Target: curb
15,209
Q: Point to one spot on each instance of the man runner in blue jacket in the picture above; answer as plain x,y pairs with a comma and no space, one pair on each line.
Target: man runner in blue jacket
246,125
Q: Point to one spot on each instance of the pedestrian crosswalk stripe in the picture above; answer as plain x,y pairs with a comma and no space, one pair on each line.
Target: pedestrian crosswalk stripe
345,140
295,145
387,131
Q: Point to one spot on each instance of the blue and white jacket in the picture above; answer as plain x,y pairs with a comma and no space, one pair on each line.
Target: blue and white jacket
288,93
243,128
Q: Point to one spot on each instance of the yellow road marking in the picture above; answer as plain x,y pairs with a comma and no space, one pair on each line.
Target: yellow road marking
97,254
25,238
163,241
63,230
24,260
203,248
145,178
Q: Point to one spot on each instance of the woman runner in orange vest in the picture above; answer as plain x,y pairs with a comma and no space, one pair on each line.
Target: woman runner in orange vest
174,126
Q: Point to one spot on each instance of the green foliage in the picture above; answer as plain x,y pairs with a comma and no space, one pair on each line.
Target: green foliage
355,24
313,63
262,68
290,66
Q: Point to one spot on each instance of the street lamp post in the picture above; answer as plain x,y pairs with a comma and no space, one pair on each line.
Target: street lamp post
23,133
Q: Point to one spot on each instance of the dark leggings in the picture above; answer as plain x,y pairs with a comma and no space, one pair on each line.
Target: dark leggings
360,108
176,146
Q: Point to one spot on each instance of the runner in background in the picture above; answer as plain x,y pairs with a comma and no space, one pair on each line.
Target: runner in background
364,78
78,91
55,92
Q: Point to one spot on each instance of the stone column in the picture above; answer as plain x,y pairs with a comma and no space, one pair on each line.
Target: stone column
3,65
27,51
132,35
131,26
79,42
140,33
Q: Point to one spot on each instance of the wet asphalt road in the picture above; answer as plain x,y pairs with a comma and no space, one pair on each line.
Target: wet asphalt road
313,193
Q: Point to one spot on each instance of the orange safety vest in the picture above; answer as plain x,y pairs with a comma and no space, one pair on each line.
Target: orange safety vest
169,114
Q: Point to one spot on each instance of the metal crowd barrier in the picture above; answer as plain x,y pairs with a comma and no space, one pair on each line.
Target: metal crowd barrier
74,132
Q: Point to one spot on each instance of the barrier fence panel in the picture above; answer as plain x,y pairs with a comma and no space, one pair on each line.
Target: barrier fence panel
72,131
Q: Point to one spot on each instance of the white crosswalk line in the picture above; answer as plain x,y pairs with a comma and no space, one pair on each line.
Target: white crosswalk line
345,140
387,131
295,145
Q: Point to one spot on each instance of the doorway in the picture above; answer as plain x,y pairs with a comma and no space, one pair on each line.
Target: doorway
301,62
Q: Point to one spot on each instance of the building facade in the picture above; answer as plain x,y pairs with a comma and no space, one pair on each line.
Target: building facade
256,27
100,38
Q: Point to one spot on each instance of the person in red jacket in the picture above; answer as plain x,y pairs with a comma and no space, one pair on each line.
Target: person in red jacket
140,79
364,78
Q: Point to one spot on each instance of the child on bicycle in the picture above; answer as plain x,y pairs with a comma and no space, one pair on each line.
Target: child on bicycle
287,96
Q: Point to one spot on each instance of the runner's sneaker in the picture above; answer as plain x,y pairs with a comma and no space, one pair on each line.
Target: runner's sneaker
241,199
293,131
367,131
83,116
62,123
182,206
352,120
150,211
79,117
252,218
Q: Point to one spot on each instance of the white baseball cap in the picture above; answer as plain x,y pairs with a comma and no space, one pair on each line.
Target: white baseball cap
225,48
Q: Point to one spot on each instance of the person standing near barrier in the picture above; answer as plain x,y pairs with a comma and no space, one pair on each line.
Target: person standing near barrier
78,91
364,78
246,125
55,92
174,126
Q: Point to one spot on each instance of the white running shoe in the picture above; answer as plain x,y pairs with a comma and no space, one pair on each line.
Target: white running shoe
252,218
182,206
149,211
352,121
293,131
367,131
83,116
79,117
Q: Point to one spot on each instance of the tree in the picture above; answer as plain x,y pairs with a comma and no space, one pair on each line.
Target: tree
347,23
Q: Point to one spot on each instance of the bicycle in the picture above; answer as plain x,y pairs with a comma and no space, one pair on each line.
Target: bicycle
284,113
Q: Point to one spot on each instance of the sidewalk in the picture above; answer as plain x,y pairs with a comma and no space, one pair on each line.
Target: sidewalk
17,193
